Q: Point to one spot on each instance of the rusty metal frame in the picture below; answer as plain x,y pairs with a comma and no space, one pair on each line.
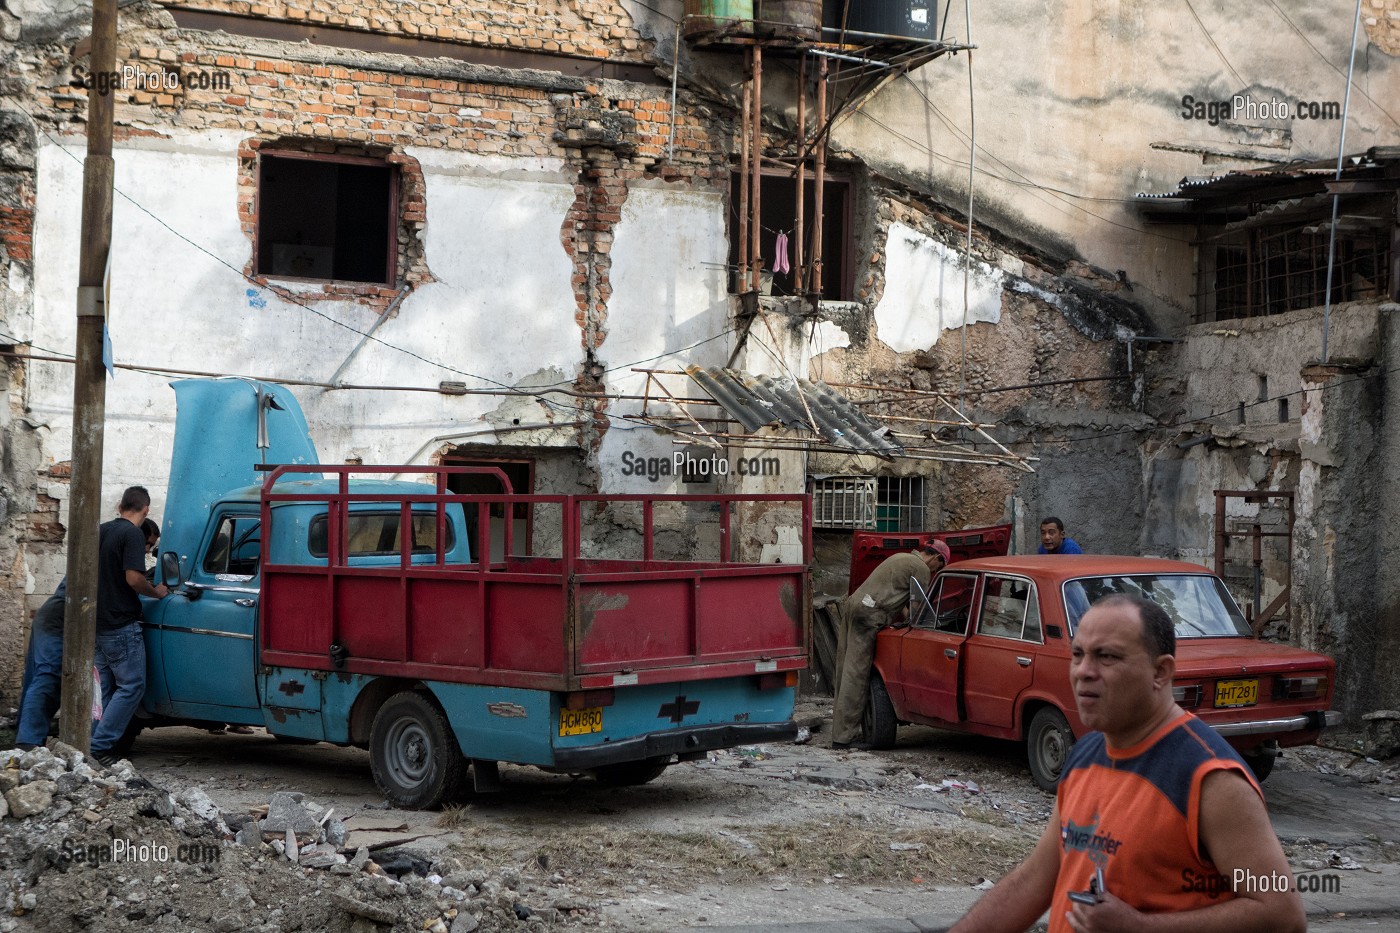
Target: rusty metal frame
1256,616
704,427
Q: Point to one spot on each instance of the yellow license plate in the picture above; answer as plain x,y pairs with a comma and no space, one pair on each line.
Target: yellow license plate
580,721
1236,693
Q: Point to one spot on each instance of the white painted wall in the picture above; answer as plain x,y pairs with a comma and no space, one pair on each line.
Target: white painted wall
923,293
502,308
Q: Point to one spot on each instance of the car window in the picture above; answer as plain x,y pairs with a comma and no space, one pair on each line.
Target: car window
1198,604
235,548
377,534
948,605
1009,609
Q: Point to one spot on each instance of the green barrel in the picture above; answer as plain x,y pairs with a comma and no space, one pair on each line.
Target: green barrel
706,17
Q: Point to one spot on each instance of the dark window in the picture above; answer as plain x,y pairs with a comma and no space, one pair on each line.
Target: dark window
326,219
374,534
778,214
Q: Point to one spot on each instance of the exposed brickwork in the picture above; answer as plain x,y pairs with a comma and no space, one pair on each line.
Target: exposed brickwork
335,109
17,232
592,28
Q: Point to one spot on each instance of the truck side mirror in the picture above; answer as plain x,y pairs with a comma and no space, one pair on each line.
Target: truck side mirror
170,569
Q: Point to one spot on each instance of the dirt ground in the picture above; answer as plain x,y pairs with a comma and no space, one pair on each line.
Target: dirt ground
761,833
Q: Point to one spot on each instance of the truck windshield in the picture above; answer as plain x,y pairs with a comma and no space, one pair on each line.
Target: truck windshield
1198,604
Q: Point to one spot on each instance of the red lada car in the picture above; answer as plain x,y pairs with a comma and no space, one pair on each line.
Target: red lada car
988,652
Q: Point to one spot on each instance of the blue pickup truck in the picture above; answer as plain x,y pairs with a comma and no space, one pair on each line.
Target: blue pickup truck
340,604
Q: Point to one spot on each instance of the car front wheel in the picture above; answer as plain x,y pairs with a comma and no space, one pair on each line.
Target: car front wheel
413,754
880,722
1047,747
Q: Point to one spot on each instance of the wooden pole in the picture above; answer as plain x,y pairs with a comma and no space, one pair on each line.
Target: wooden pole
89,392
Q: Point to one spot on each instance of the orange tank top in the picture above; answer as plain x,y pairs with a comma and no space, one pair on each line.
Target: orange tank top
1134,812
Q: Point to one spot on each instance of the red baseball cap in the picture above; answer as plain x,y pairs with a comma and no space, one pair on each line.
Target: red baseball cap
938,547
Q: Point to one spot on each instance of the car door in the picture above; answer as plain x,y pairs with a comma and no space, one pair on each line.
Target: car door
931,651
208,624
999,659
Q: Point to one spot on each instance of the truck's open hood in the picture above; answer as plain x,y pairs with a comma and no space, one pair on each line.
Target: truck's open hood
216,448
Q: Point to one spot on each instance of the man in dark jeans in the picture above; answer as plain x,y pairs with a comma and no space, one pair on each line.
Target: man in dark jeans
121,646
43,661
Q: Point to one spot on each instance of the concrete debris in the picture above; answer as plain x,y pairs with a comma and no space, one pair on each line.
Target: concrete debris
107,850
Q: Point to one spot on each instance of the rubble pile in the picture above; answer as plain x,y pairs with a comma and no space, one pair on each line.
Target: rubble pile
82,847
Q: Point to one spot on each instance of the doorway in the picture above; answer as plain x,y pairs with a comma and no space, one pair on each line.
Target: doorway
521,474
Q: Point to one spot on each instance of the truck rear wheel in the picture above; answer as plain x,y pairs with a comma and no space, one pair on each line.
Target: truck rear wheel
880,722
1047,746
632,773
413,754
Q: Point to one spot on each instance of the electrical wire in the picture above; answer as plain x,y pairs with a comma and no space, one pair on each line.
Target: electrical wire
1211,40
293,299
1304,36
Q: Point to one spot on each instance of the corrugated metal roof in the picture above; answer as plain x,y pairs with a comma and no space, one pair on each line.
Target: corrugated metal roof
1200,186
758,401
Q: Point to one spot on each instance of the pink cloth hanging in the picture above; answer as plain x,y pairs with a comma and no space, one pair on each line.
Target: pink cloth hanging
780,254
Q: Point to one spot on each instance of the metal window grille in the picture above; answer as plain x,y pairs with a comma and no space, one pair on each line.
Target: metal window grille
843,501
1273,269
894,503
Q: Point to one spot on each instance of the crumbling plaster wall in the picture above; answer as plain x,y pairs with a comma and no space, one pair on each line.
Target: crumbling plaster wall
1334,452
1070,99
1030,322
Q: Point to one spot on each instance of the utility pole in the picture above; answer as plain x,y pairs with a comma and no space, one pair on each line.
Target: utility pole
89,389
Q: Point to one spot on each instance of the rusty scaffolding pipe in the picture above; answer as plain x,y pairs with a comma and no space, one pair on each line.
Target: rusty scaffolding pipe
756,168
818,196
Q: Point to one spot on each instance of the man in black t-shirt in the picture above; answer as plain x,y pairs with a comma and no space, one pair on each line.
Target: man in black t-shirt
121,647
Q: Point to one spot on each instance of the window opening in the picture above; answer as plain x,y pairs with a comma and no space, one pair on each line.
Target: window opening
326,218
778,212
883,503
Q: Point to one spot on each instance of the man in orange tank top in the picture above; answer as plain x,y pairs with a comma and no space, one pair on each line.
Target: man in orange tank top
1152,802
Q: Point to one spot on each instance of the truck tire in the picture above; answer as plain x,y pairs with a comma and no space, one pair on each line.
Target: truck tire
880,723
1261,761
1047,746
632,773
413,754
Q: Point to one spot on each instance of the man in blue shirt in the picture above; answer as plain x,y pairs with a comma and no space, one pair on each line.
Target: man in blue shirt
1053,540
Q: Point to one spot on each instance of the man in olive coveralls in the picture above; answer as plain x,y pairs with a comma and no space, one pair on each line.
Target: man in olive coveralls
875,604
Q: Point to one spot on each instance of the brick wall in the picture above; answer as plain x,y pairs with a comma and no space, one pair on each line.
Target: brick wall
592,28
328,108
